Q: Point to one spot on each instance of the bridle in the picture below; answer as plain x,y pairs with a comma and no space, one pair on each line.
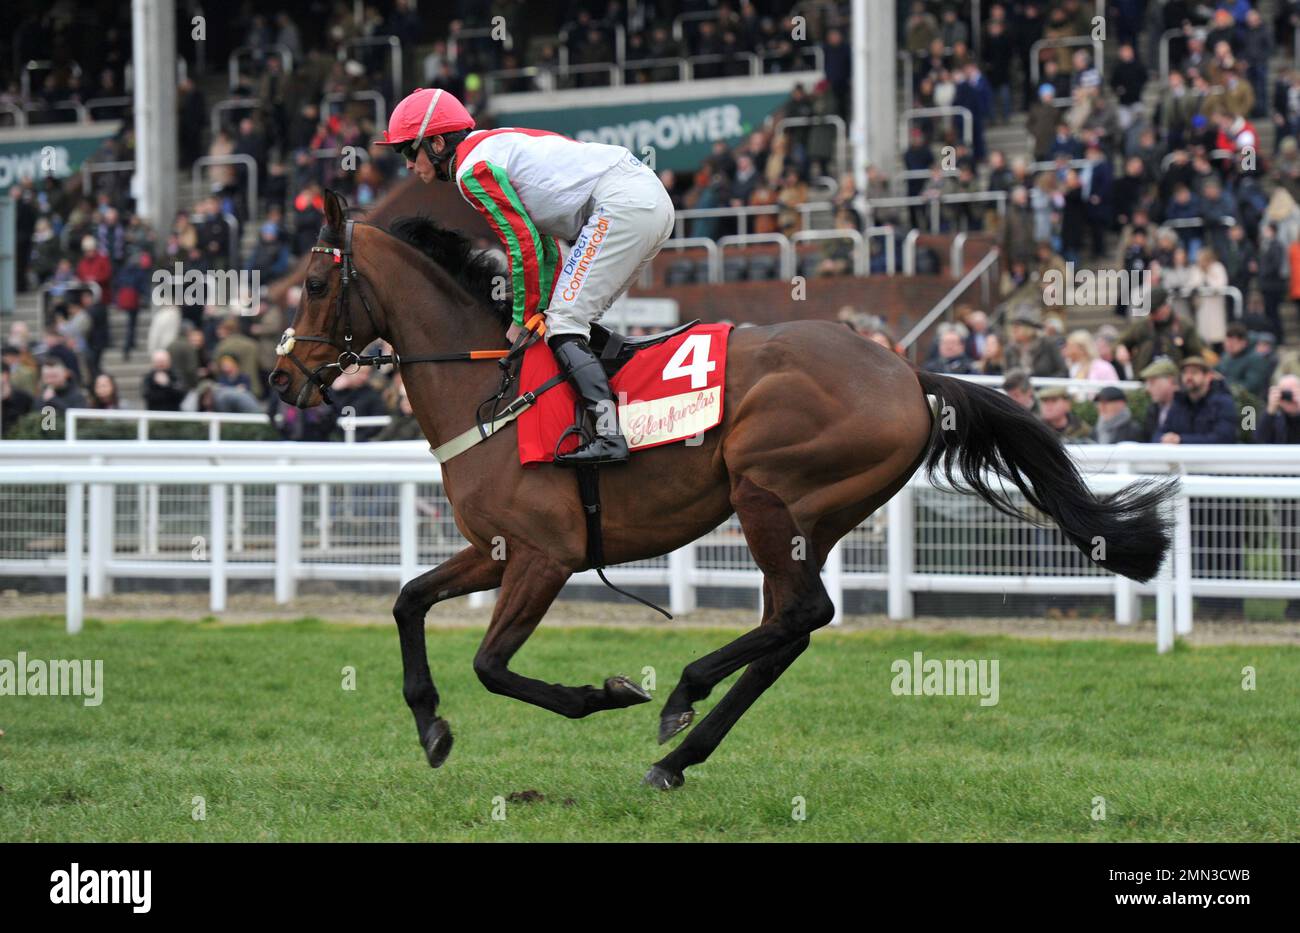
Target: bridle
349,361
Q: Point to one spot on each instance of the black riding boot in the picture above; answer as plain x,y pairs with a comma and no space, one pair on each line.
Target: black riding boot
587,376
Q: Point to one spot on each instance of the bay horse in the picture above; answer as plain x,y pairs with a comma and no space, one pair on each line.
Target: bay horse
820,429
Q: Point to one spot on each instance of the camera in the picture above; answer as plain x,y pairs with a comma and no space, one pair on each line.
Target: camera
1288,395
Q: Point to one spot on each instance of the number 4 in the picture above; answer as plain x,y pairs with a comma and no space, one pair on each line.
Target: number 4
695,347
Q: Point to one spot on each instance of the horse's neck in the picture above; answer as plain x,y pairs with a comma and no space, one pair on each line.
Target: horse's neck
423,321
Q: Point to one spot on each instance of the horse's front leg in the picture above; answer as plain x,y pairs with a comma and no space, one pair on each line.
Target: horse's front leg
468,571
531,583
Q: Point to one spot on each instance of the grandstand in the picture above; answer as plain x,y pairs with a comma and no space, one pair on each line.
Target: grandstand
919,177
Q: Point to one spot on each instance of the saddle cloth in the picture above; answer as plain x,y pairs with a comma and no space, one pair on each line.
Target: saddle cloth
666,392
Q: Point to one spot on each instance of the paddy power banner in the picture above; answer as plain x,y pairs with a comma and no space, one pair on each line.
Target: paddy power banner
59,149
681,132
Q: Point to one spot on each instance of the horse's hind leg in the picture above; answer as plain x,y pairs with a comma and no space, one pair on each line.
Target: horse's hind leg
532,581
468,571
795,604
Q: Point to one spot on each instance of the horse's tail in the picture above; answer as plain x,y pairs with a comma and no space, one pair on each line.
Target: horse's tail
980,429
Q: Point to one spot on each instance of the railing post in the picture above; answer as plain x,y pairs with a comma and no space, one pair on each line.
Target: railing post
833,580
237,520
73,543
1165,604
100,536
1126,598
681,580
288,539
323,516
899,547
408,539
1183,561
217,547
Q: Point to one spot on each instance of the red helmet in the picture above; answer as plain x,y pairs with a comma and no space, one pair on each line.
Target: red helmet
425,112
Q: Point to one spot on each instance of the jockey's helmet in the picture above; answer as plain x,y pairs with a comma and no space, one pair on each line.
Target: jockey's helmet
423,113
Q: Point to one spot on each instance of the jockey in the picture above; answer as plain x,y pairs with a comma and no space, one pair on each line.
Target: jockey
535,187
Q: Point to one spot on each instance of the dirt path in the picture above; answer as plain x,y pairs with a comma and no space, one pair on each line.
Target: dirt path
372,610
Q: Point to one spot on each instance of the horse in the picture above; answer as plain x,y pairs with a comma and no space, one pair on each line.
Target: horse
820,429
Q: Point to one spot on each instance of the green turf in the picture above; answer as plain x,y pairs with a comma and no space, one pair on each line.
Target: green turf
254,720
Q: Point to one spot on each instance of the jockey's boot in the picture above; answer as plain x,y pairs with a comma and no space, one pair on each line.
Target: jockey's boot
587,376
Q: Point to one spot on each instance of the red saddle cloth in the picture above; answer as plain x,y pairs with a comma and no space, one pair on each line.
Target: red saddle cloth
667,392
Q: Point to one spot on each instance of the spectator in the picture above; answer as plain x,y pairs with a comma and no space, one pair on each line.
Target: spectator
103,393
1281,421
1241,365
1272,276
1161,378
59,390
97,335
162,389
1029,350
1160,334
1085,363
230,341
1115,423
950,354
14,402
1211,309
354,396
1203,412
992,361
1058,415
94,265
1020,389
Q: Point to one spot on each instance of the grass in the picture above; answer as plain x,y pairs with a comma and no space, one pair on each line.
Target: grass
254,720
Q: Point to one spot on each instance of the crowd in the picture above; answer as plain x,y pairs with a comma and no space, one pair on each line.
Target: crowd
1175,186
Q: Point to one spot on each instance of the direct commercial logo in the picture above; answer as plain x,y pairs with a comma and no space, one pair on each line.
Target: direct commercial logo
581,258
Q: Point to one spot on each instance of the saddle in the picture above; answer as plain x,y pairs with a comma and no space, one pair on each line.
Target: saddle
615,349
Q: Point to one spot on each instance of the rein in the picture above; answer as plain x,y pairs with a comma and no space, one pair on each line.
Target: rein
349,361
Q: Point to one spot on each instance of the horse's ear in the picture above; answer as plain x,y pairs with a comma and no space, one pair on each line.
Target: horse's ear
335,209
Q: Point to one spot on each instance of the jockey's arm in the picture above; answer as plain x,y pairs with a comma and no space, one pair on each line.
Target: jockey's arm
533,256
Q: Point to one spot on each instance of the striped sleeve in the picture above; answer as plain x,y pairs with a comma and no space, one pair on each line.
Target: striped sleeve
534,257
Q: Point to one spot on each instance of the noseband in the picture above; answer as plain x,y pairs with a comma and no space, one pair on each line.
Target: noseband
349,361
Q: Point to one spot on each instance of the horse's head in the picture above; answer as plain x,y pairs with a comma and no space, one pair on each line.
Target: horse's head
334,321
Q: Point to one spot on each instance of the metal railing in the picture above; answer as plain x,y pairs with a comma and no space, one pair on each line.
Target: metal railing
841,134
709,245
935,204
89,169
97,102
785,249
230,103
929,113
394,54
196,177
929,539
282,52
861,261
376,99
979,272
742,214
1193,33
1065,42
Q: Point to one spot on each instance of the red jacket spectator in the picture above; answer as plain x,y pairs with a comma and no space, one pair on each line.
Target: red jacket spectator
95,267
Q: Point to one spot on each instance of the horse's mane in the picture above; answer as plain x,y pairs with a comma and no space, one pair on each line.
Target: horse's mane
453,251
476,272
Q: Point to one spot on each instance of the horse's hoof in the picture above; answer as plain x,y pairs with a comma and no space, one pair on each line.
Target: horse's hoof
624,692
672,723
437,744
663,779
